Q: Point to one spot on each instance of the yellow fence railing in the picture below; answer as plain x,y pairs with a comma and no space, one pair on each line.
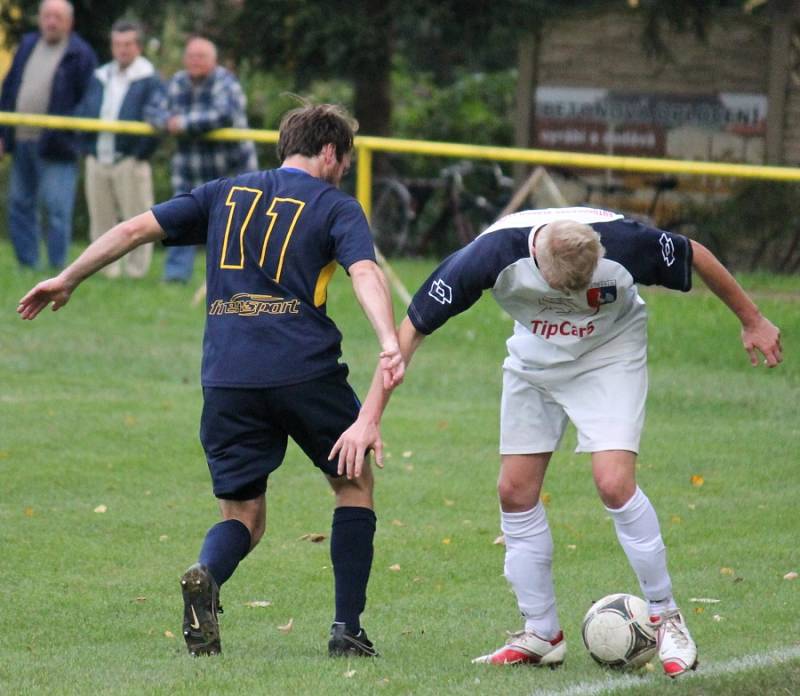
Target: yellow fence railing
366,145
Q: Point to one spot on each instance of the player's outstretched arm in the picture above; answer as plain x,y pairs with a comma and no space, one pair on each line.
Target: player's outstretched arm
372,292
352,446
117,242
759,334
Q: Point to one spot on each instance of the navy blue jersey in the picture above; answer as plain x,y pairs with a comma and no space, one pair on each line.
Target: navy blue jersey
552,326
272,240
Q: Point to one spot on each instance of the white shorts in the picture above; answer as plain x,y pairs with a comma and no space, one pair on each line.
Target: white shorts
605,401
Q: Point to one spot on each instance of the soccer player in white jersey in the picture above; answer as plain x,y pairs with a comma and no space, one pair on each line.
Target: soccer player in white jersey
568,277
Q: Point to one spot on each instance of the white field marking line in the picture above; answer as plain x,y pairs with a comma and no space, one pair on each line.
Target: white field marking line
629,681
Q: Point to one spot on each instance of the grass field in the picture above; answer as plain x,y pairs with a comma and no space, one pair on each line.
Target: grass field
99,408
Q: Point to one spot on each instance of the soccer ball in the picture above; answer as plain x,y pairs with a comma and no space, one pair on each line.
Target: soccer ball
617,632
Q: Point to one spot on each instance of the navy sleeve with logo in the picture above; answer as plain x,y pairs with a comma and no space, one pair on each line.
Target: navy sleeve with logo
651,256
458,282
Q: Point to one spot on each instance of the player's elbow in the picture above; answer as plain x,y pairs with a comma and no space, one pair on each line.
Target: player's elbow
140,229
366,274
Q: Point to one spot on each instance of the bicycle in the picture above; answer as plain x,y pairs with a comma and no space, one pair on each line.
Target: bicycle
433,216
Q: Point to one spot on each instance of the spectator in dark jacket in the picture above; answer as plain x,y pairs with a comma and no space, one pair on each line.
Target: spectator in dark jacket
49,75
119,182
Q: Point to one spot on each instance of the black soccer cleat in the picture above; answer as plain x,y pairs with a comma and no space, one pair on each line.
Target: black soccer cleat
200,609
344,644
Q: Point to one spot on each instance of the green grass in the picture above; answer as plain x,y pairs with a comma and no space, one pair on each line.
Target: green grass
99,405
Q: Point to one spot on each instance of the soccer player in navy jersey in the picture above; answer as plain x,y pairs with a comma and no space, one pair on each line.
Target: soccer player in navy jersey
579,352
270,367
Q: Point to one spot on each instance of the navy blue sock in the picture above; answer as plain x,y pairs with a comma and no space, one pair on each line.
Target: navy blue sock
225,545
351,552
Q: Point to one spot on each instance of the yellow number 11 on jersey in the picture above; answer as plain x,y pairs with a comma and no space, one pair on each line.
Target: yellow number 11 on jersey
280,210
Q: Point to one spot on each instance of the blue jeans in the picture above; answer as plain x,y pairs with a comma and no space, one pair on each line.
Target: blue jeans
179,263
50,183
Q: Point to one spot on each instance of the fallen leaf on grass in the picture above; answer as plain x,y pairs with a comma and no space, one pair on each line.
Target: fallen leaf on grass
571,547
446,540
258,603
449,503
28,512
790,576
349,673
699,610
163,537
546,498
717,618
169,634
3,454
139,600
407,454
726,571
287,627
398,523
675,519
130,421
395,567
500,541
101,508
649,667
314,538
697,480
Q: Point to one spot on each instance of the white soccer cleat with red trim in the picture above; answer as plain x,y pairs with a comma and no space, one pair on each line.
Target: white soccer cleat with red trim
676,648
526,648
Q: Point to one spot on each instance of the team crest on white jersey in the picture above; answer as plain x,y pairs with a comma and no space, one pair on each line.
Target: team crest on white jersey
441,292
602,292
667,249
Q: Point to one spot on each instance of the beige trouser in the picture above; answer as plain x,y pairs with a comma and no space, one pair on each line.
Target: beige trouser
116,192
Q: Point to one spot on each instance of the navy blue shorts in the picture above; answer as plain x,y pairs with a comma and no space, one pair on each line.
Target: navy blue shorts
244,431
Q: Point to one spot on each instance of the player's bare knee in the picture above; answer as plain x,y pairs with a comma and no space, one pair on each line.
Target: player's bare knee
356,492
615,492
516,496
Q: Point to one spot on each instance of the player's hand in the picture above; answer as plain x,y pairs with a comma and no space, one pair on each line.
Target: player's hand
53,290
393,367
765,338
353,445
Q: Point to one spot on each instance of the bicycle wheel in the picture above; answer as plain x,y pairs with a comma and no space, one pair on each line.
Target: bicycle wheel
391,216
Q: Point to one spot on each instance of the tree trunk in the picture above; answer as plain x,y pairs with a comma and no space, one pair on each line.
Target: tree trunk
372,79
525,112
781,12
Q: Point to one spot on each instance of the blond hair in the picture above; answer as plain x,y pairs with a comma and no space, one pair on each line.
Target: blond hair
568,253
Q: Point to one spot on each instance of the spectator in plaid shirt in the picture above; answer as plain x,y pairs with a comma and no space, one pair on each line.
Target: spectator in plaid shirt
199,99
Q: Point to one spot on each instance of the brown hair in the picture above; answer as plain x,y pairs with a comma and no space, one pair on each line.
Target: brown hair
308,128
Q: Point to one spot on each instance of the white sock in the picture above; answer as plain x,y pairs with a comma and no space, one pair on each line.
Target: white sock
662,606
640,536
528,567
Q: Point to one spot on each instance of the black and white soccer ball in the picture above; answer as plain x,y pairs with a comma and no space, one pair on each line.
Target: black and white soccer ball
617,632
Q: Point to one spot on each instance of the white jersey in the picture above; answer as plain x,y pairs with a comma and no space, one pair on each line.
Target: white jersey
553,327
